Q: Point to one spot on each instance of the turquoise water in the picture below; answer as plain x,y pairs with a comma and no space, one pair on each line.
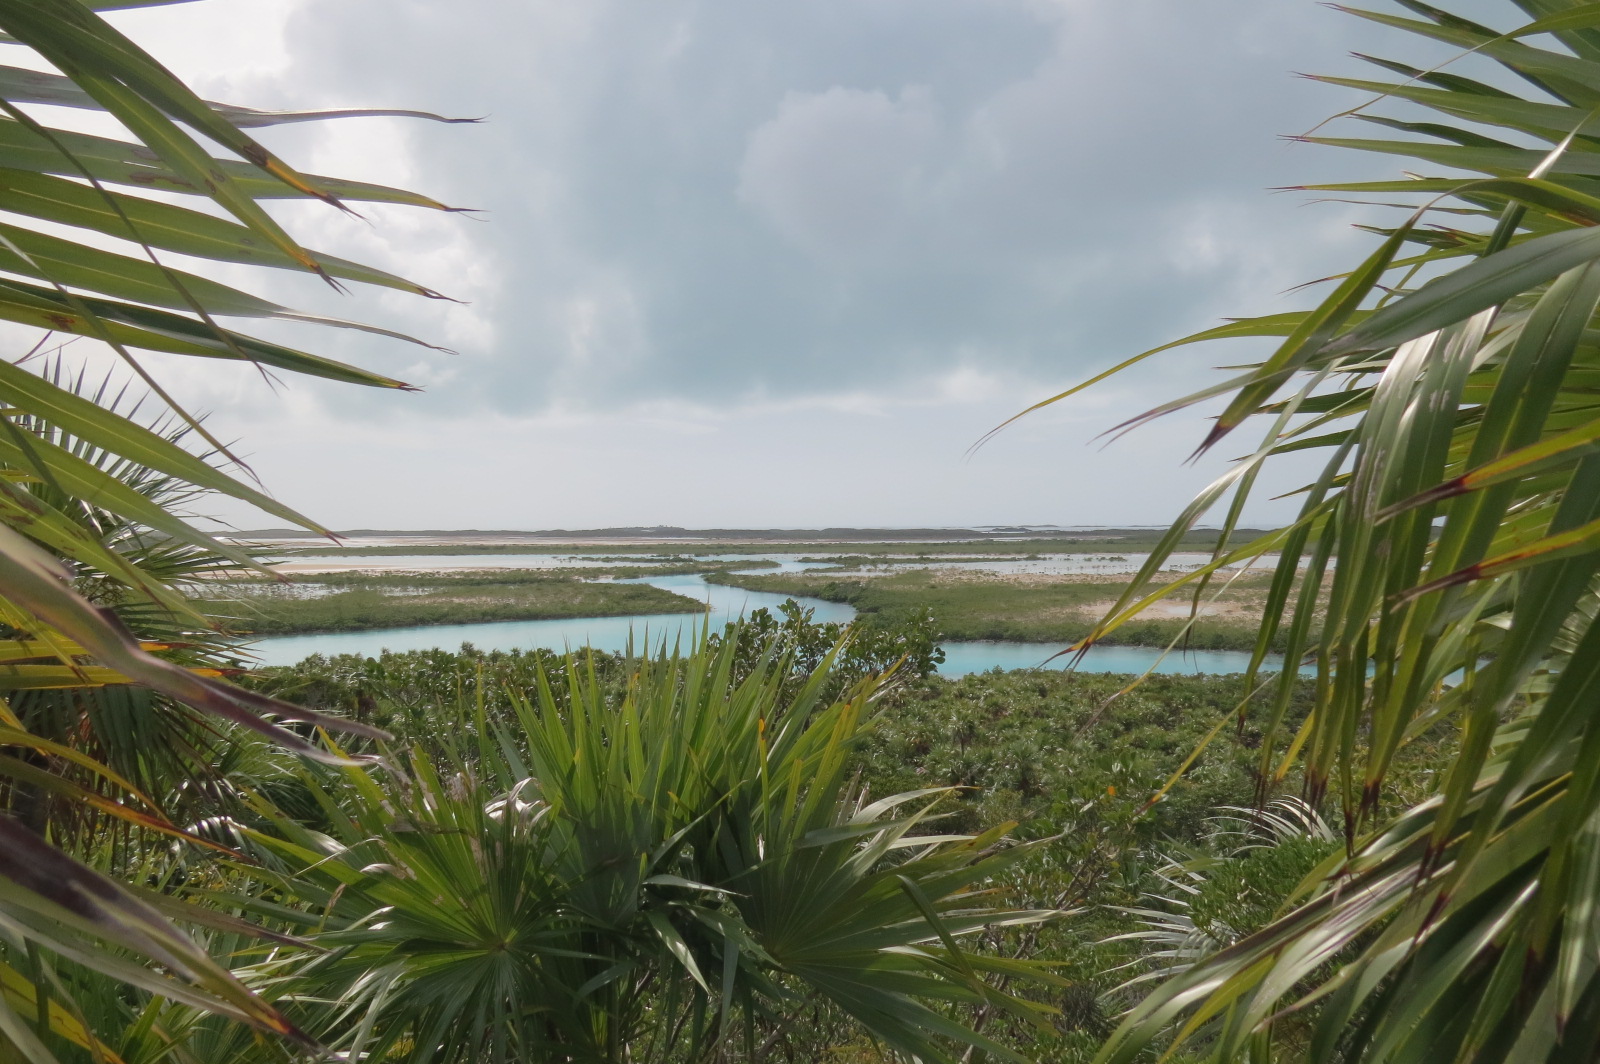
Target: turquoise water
723,604
603,633
963,658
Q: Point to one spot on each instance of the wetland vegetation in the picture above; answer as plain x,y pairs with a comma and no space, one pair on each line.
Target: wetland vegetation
1067,763
1058,609
344,602
1051,609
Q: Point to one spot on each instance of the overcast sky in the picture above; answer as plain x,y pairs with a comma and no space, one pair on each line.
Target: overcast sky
778,264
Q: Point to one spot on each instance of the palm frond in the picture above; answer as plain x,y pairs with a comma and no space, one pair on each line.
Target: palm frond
101,649
1449,552
640,873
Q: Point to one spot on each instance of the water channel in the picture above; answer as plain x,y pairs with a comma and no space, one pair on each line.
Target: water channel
723,604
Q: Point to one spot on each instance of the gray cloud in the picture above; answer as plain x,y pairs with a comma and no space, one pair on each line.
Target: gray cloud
713,226
716,198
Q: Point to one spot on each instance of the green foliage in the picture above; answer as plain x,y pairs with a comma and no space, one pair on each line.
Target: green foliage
636,871
1041,747
94,535
1245,893
1447,381
1062,755
400,692
905,641
392,688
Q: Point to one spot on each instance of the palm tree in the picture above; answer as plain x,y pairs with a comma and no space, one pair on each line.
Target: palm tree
92,538
670,871
1449,379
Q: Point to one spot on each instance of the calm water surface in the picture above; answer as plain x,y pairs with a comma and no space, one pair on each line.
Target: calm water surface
603,633
723,604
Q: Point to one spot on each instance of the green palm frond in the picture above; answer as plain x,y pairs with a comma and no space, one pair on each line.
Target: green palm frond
1206,901
1440,577
129,298
114,696
642,875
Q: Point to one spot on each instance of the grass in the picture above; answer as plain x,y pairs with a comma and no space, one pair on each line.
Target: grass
414,577
347,602
1042,609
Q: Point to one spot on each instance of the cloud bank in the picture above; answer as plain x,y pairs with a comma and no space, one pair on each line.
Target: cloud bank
936,208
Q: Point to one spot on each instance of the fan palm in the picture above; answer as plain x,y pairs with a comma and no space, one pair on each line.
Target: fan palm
1449,379
157,744
651,875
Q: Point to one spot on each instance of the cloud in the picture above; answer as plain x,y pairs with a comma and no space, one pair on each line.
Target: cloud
846,174
864,458
794,219
705,197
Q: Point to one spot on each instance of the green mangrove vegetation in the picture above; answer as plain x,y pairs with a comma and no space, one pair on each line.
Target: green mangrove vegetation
1050,609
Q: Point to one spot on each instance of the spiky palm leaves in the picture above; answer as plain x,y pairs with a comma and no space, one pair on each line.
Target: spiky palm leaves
80,527
1210,900
161,746
1451,546
661,874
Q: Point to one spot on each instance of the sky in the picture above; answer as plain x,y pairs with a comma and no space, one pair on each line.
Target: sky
754,264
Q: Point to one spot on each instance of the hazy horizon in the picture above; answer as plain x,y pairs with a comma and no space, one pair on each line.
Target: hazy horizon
1016,528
